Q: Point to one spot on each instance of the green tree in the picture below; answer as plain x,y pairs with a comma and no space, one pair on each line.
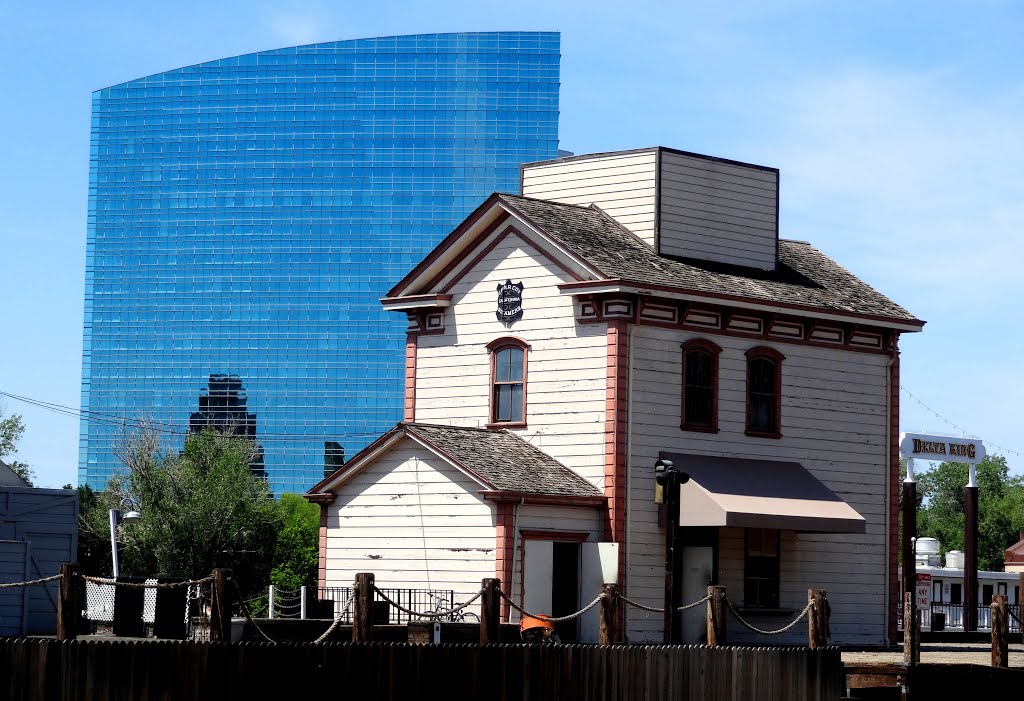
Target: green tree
202,508
12,428
297,550
1000,507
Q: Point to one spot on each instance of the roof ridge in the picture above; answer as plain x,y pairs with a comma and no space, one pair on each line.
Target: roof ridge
484,429
543,201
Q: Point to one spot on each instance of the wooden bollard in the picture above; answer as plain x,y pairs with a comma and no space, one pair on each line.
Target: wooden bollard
716,617
911,630
362,616
67,603
1000,631
817,619
490,611
609,631
220,611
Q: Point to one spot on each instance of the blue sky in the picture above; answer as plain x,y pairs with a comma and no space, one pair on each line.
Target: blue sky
897,128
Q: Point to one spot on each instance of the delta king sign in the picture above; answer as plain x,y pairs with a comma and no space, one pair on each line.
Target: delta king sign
921,446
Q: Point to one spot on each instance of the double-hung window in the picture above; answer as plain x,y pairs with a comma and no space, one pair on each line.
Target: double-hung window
764,392
700,386
508,382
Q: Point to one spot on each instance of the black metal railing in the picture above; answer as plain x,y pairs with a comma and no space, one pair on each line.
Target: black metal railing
421,600
951,617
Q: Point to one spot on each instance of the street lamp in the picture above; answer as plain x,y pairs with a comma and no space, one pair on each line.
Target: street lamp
117,518
668,481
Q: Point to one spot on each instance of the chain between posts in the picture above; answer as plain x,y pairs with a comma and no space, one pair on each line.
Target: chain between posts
29,583
553,619
144,585
428,614
748,626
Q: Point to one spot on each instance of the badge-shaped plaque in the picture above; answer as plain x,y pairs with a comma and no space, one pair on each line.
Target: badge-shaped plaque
510,302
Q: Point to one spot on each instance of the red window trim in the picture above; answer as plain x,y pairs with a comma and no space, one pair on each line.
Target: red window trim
712,349
492,348
766,353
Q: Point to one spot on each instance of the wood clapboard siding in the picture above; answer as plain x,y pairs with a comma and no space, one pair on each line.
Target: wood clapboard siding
565,366
833,423
718,211
623,185
440,533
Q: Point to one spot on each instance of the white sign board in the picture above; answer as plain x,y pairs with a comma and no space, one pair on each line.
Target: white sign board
944,448
924,590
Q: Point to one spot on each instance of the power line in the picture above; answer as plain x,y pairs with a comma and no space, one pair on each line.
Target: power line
161,427
960,429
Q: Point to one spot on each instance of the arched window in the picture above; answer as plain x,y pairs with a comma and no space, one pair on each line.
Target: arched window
700,386
508,382
764,392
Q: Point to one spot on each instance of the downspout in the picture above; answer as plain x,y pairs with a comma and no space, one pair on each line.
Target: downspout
891,367
629,467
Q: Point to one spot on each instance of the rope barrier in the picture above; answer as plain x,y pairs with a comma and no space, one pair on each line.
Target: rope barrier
429,614
695,603
29,583
248,617
652,609
145,585
553,619
752,628
337,621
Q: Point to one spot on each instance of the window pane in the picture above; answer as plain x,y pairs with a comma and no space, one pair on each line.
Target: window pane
515,364
516,409
698,369
762,412
762,376
698,406
502,403
501,365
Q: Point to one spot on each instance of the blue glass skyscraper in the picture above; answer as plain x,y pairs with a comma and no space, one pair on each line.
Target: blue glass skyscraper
246,214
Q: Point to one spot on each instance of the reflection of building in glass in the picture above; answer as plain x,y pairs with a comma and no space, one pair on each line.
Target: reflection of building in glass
247,213
222,407
334,457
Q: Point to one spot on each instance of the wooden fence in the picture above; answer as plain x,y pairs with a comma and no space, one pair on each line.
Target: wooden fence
38,670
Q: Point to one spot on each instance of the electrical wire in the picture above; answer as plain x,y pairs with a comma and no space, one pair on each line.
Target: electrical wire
960,429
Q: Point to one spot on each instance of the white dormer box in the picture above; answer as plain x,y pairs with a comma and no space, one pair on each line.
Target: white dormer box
682,204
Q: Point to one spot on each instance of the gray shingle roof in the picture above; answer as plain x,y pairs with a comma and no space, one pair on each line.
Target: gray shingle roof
804,276
504,460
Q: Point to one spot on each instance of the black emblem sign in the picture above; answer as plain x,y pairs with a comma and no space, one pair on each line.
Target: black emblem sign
510,302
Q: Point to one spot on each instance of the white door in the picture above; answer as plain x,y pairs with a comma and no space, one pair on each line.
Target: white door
537,571
698,562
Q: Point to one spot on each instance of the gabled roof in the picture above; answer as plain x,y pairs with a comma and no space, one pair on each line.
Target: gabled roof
804,278
499,460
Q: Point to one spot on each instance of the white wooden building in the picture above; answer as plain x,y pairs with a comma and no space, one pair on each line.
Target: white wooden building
631,307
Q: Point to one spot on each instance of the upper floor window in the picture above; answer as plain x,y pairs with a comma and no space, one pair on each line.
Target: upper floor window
700,385
764,392
508,381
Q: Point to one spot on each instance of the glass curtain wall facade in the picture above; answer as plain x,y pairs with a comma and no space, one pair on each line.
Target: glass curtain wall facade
246,214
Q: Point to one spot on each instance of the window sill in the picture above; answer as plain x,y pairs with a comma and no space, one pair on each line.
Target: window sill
507,424
763,434
699,429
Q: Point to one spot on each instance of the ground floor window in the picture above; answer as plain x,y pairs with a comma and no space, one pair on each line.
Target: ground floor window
761,568
956,596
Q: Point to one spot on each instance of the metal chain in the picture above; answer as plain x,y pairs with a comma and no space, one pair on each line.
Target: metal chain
145,585
429,614
748,626
248,617
337,621
553,619
29,583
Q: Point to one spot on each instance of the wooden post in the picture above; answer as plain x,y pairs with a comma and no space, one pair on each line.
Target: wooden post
609,631
716,617
67,603
911,630
220,613
362,616
671,621
1000,631
490,611
817,619
970,557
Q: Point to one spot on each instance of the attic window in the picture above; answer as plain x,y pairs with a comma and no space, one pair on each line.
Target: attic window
508,382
